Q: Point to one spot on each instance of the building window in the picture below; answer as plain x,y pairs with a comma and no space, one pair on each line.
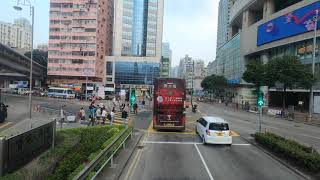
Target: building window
109,68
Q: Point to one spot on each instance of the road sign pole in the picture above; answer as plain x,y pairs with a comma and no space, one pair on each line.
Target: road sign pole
259,120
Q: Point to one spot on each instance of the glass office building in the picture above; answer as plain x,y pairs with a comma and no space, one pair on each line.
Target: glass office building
230,60
136,72
139,27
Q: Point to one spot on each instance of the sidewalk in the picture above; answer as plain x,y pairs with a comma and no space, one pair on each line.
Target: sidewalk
299,116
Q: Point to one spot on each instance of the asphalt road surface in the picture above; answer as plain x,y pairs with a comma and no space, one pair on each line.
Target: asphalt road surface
246,123
181,155
19,109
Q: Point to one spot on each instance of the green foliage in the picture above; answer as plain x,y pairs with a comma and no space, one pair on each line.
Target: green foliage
92,139
45,163
255,73
214,84
289,71
39,56
303,156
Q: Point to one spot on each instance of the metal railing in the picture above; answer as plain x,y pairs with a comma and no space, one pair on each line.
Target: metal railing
93,164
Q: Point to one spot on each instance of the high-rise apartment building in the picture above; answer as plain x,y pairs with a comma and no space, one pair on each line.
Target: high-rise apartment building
79,39
186,70
137,42
16,35
223,22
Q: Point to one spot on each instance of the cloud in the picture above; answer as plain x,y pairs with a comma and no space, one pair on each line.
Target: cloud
191,29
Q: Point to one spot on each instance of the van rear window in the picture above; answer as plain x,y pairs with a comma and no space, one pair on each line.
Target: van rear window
219,127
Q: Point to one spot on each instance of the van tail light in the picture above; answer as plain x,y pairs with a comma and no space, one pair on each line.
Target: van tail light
208,132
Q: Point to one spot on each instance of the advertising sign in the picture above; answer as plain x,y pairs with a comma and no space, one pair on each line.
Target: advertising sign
291,24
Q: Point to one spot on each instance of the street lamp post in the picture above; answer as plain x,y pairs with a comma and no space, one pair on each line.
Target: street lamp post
315,18
19,8
192,83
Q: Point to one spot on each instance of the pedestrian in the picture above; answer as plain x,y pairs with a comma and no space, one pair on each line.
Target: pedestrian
3,112
82,114
103,115
112,116
62,115
143,103
124,116
98,113
135,108
92,115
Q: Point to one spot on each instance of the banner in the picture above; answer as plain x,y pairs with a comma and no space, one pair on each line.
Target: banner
291,24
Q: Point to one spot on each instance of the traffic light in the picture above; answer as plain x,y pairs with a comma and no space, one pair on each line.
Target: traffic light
133,96
260,101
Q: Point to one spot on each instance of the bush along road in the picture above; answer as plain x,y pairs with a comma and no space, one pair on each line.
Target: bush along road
305,158
73,150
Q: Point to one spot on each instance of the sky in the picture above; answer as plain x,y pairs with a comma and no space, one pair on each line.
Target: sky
190,26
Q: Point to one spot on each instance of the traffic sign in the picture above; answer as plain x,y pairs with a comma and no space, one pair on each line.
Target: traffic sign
260,100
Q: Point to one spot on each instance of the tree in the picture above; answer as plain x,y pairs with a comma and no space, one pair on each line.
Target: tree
214,84
39,56
255,73
288,71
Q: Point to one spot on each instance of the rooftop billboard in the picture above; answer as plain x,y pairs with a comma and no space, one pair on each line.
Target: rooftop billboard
291,24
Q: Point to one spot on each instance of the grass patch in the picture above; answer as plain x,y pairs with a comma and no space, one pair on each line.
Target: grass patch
73,148
302,156
111,151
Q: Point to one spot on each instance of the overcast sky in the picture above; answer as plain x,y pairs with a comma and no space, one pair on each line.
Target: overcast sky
190,26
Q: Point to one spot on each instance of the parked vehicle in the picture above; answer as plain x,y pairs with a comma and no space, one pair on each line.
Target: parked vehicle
61,93
22,91
214,130
169,100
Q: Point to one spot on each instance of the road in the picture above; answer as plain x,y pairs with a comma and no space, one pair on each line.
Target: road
18,108
181,155
245,124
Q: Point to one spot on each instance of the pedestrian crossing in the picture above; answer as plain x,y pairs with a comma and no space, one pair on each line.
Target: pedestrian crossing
118,120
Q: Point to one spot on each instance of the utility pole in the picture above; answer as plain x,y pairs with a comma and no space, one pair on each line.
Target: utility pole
192,83
311,103
19,8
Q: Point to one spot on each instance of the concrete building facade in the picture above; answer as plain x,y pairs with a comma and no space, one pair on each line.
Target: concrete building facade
16,35
43,46
137,43
80,37
274,28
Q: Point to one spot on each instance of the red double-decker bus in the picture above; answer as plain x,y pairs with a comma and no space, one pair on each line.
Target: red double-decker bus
169,99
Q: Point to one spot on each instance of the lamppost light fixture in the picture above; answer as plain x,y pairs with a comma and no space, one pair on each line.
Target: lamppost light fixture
17,8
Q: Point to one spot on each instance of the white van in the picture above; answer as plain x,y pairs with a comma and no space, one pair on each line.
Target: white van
57,92
214,130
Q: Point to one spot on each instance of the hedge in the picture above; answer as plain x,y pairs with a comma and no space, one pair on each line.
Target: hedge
92,139
43,165
300,155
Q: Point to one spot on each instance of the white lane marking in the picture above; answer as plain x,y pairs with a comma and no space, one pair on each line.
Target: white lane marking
241,144
186,143
309,136
204,163
168,142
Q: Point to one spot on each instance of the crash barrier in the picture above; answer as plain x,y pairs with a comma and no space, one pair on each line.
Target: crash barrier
104,154
18,150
